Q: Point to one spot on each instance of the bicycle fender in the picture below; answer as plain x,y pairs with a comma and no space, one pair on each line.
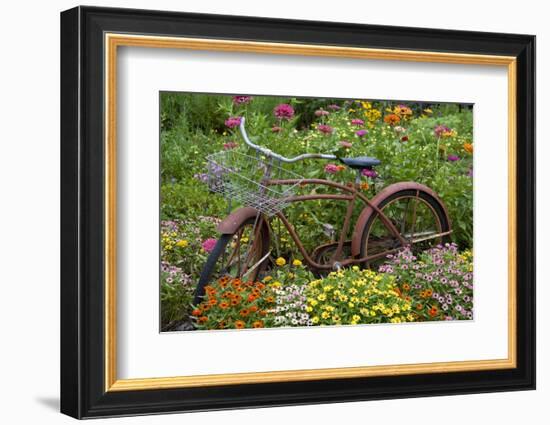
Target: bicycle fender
384,193
232,222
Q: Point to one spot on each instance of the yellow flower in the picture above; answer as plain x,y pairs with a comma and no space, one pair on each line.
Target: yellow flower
276,284
309,309
315,319
182,243
297,263
313,302
356,318
280,261
267,278
325,314
322,297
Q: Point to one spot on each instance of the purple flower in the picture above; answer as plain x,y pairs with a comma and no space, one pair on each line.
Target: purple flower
333,107
242,100
284,111
321,113
453,158
361,133
331,168
357,121
233,122
325,129
202,177
209,244
369,173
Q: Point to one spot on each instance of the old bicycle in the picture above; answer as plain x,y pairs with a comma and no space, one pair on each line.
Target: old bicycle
402,214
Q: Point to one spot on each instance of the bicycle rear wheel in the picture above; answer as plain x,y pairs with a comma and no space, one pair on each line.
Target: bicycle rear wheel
242,254
418,216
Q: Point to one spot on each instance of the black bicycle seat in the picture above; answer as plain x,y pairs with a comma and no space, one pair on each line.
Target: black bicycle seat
360,162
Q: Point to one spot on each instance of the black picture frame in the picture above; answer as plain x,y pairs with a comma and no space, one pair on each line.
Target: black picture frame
83,392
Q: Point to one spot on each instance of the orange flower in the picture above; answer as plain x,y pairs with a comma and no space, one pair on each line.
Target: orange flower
253,309
222,325
239,324
224,279
258,324
270,299
263,313
433,311
244,312
468,147
429,292
260,285
419,306
234,301
252,297
213,301
392,119
406,287
364,186
224,305
196,312
203,319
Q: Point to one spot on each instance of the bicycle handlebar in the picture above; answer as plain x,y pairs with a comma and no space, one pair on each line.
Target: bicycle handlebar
272,154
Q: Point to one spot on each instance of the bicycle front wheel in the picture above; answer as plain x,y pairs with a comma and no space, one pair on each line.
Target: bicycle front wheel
242,254
417,215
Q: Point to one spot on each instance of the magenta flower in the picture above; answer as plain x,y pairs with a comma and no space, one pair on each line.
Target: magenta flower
325,129
361,133
345,144
331,168
357,121
333,107
242,100
440,129
230,145
321,113
209,244
369,173
453,158
233,122
284,111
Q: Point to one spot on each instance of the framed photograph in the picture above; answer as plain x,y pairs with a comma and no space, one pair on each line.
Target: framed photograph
261,212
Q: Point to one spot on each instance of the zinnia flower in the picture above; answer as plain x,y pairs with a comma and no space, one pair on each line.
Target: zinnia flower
361,133
233,122
321,113
209,244
326,129
453,158
333,107
392,119
284,111
242,100
230,145
357,121
468,147
402,110
440,129
331,168
369,173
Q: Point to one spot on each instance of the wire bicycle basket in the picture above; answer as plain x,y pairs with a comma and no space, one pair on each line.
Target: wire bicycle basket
245,179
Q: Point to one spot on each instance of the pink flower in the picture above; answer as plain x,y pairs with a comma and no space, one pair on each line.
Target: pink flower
331,168
333,107
325,129
361,133
233,122
440,129
242,100
345,144
357,121
230,145
321,113
453,158
209,244
369,173
284,111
